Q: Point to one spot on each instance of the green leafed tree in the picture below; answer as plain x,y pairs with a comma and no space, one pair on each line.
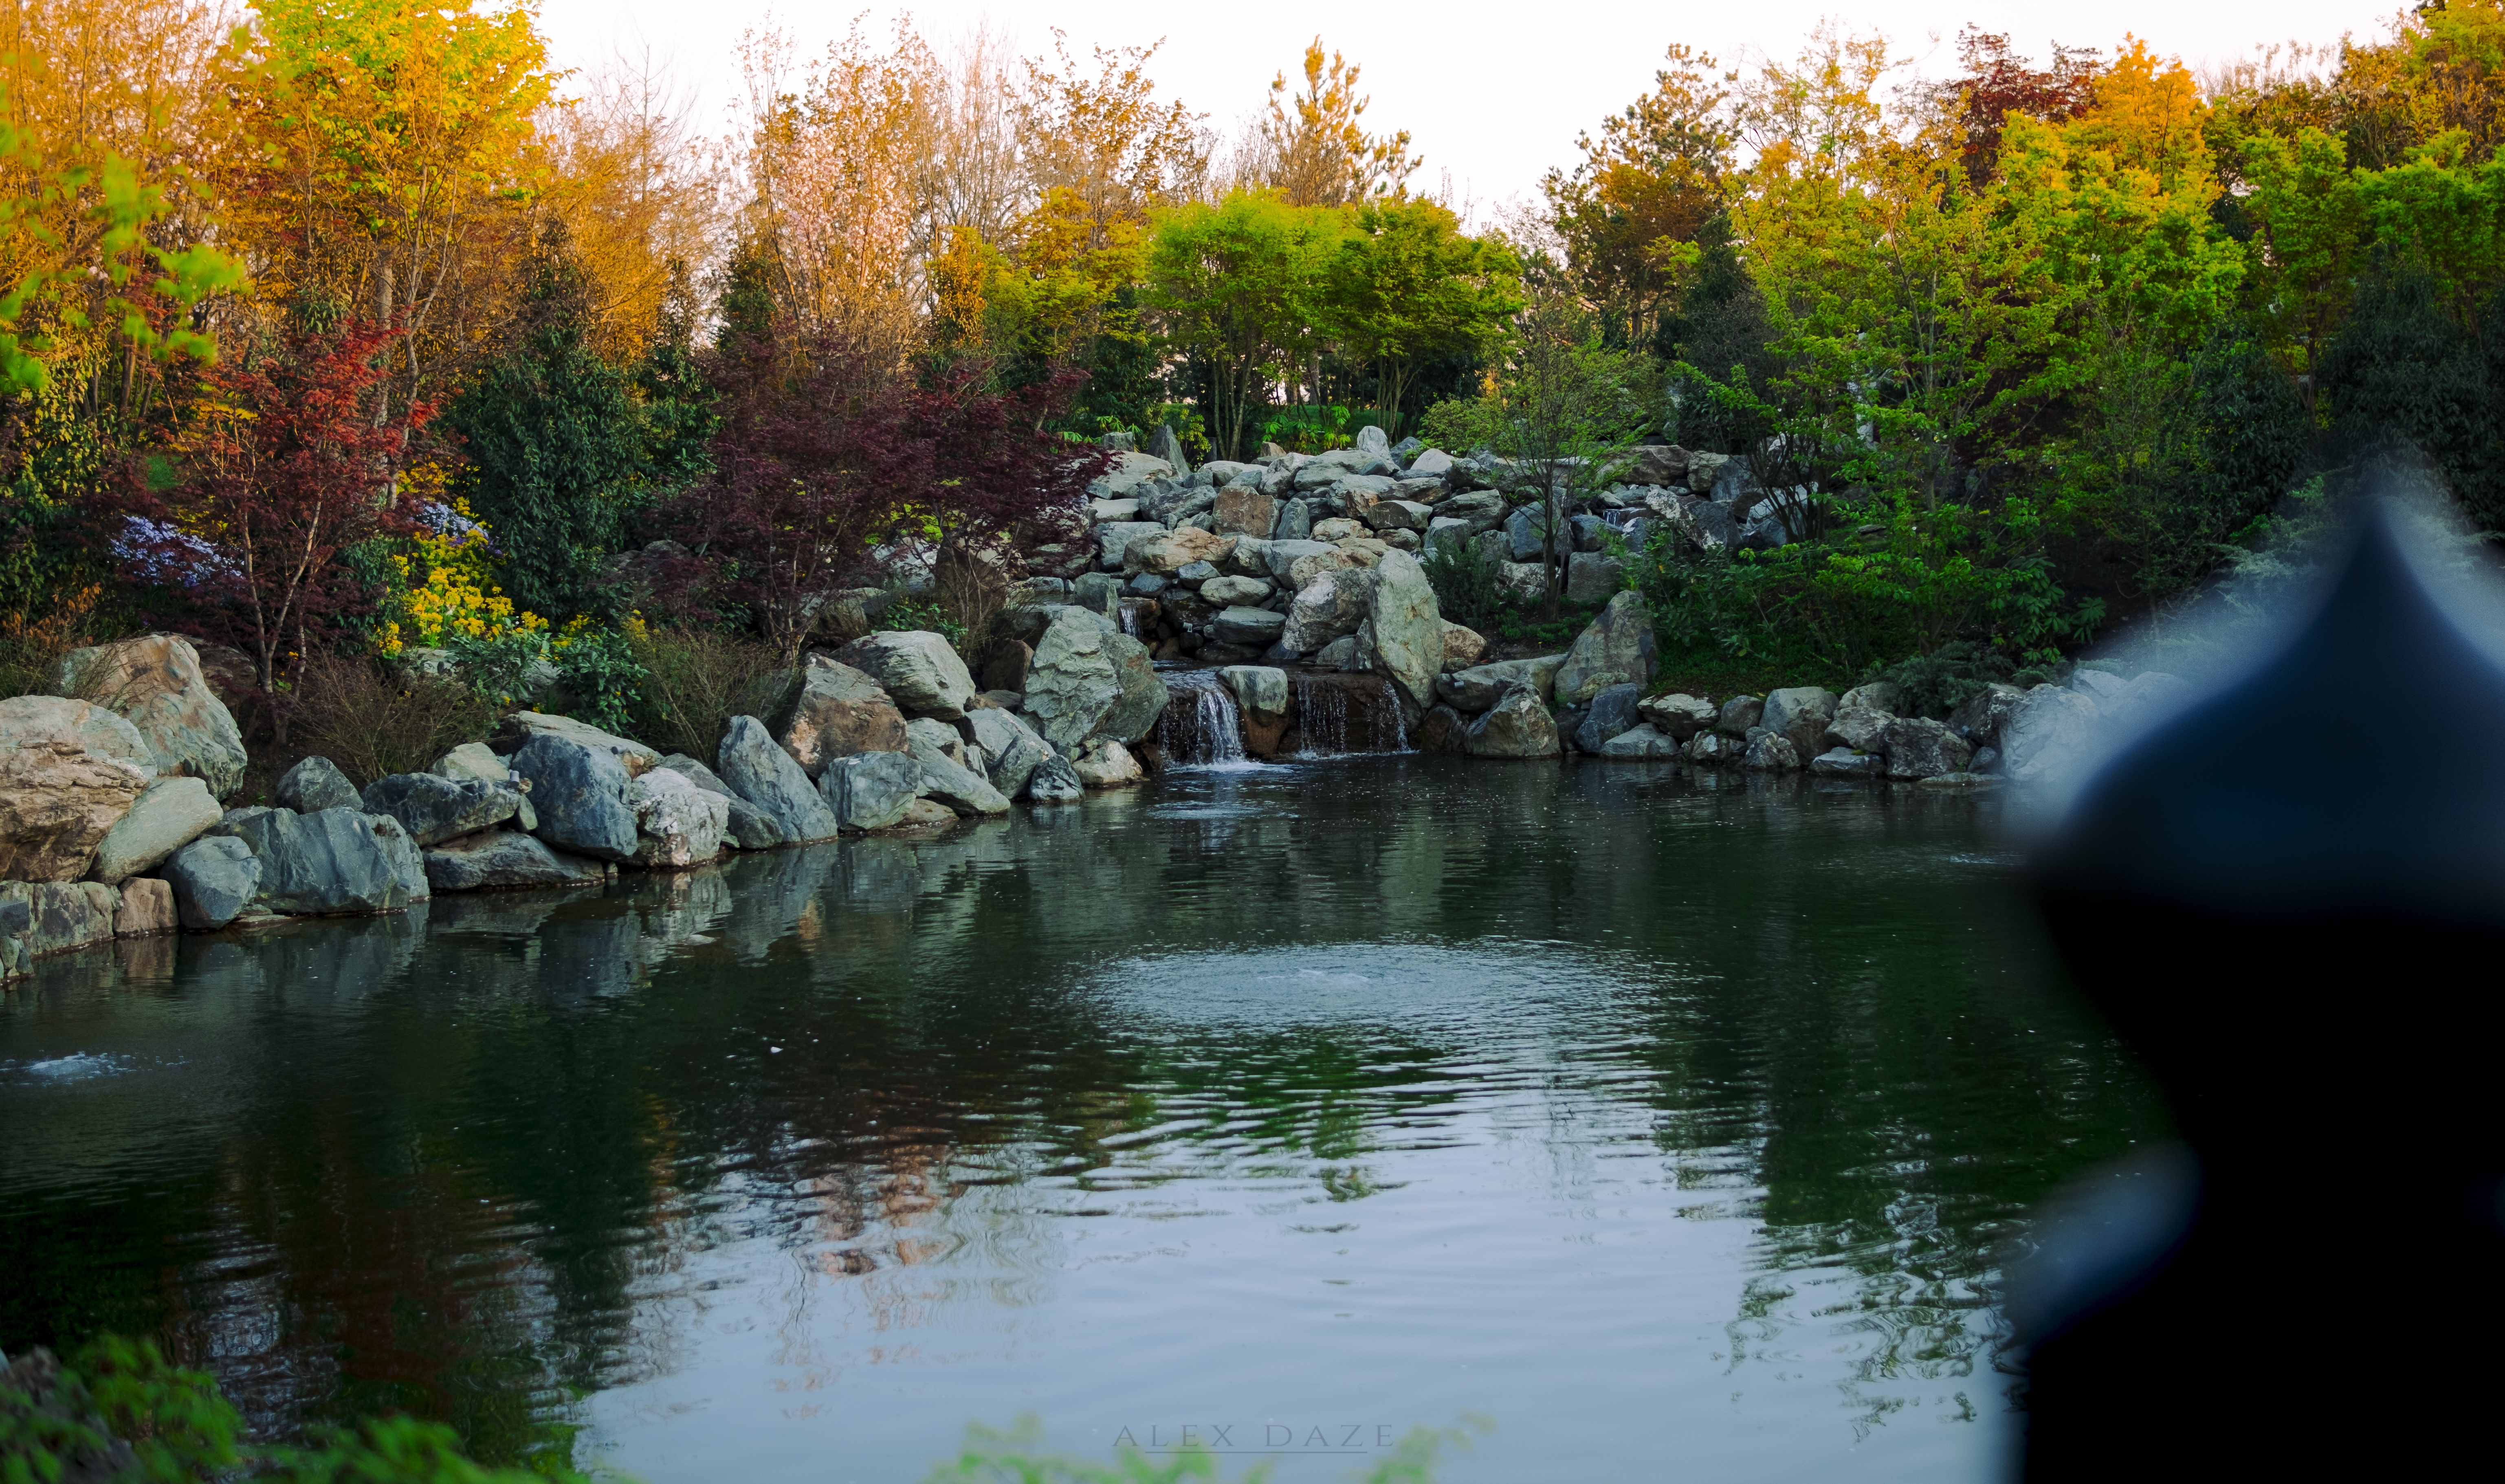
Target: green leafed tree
1407,288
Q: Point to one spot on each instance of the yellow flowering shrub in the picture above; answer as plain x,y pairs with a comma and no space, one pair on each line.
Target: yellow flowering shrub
449,587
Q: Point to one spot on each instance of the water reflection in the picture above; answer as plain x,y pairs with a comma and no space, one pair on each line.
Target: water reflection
1640,1113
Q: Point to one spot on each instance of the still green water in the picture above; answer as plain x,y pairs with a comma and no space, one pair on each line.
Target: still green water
1677,1127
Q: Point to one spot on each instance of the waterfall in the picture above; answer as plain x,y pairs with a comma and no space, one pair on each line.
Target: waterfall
1339,714
1131,611
1200,726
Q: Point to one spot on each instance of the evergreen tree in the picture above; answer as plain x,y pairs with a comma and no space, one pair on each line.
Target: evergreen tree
2406,379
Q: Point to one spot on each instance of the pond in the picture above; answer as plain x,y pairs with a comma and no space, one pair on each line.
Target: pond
1674,1125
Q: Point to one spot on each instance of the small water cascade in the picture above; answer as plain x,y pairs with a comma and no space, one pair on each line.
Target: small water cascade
1201,725
1354,712
1134,614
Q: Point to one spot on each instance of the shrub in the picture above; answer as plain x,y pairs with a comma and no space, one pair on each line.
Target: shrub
31,653
375,719
1465,580
694,682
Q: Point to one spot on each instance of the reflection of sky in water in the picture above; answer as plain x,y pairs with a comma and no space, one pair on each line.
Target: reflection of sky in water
1671,1126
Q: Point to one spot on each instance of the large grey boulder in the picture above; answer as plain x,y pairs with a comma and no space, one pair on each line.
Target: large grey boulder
1115,537
1800,713
323,865
1480,687
476,760
870,791
1408,629
1617,650
433,808
313,784
2051,734
1768,751
677,824
750,827
760,771
1252,628
1089,680
1106,763
1981,717
1591,577
517,730
69,772
924,738
407,860
1237,591
1612,712
1678,716
47,917
1280,557
921,671
1858,729
169,815
1517,726
1168,552
1884,695
1329,604
1640,744
1011,749
155,683
1917,746
826,709
214,879
1714,749
1739,714
505,858
1525,532
960,788
579,796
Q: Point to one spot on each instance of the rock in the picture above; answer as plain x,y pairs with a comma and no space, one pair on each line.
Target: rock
1262,700
1591,577
1147,585
1098,511
1281,557
1099,592
1678,716
2096,684
214,879
156,683
748,827
1617,650
1770,752
920,671
1478,512
517,730
960,788
1133,471
760,770
327,864
1526,582
1658,464
1981,717
1462,647
147,904
1055,781
869,790
925,814
1433,463
505,858
1163,445
1475,689
1879,696
1917,746
1525,530
677,824
1802,714
1517,726
1106,763
1703,470
1845,763
1295,522
827,709
1408,629
1857,728
1329,606
2145,700
1641,743
579,794
1338,528
407,862
316,784
433,808
58,916
1243,512
1235,591
69,772
1611,712
1012,749
170,814
1739,715
473,759
1006,667
1198,573
1442,730
1089,680
926,740
1713,749
1986,760
1349,652
2050,734
1374,441
1399,515
1253,628
1167,553
1115,538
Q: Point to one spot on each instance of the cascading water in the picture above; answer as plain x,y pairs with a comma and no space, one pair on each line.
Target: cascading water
1354,712
1132,610
1201,725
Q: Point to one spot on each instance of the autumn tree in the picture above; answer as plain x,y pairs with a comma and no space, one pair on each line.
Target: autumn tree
292,459
1996,82
1321,154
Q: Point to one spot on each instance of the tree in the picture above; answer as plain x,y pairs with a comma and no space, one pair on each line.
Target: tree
1997,83
1407,287
1321,156
1565,406
2407,379
292,459
1236,286
555,446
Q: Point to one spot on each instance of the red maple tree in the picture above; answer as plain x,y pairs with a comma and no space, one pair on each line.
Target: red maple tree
1997,83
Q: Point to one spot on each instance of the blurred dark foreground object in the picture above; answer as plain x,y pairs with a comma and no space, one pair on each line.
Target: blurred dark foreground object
2291,901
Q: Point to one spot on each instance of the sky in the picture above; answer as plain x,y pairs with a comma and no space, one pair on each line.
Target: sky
1494,92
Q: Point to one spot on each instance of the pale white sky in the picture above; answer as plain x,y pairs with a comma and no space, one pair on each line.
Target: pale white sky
1494,92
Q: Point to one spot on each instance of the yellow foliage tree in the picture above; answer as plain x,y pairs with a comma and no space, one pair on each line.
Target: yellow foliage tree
1321,154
